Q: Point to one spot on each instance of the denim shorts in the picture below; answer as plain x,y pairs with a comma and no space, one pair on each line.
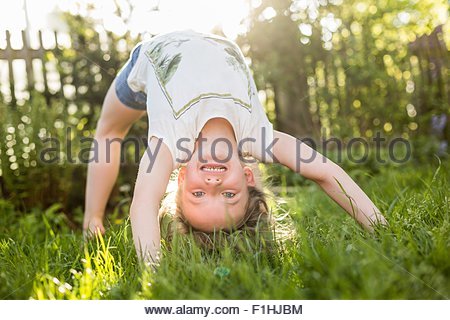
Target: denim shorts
134,100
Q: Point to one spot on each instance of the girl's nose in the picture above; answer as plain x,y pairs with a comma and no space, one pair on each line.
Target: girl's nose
214,180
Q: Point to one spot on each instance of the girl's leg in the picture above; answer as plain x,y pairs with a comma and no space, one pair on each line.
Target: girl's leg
114,123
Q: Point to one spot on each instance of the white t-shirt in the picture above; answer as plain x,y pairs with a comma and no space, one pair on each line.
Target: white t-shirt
191,77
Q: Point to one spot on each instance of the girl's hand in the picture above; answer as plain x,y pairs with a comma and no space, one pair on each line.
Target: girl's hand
93,227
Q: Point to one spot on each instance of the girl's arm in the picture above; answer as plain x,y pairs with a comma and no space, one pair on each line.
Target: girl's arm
304,160
153,176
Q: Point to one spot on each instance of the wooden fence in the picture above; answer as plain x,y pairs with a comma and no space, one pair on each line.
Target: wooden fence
57,74
27,54
433,57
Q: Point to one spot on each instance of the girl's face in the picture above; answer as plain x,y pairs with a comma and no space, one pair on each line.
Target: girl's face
214,194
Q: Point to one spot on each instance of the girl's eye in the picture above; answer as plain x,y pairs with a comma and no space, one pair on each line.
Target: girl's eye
198,193
229,194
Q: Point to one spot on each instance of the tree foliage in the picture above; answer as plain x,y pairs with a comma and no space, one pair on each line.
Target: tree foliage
347,67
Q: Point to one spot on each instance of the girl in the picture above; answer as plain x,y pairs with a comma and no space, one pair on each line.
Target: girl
204,118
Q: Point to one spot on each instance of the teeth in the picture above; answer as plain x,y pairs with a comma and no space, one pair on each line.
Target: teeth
214,169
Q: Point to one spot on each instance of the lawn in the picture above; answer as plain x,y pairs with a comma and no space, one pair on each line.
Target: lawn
326,256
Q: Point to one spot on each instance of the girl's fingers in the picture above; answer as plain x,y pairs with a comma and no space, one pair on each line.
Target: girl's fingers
93,230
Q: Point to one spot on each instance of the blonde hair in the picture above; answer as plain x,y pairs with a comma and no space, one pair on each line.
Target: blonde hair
257,221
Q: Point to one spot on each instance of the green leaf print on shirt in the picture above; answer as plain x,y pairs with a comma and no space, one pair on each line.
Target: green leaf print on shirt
167,68
165,65
235,59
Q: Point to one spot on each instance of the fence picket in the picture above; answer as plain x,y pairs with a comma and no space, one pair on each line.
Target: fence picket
9,55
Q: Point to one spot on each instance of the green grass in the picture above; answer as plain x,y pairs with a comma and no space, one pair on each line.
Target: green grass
328,256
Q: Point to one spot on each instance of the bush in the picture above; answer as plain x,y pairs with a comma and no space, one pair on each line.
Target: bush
39,148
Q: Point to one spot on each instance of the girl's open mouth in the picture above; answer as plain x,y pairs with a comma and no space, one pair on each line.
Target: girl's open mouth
213,167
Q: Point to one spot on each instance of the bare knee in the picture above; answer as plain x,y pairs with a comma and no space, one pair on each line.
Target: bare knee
108,129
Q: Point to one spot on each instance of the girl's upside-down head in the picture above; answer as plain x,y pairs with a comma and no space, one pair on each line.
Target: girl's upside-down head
217,198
